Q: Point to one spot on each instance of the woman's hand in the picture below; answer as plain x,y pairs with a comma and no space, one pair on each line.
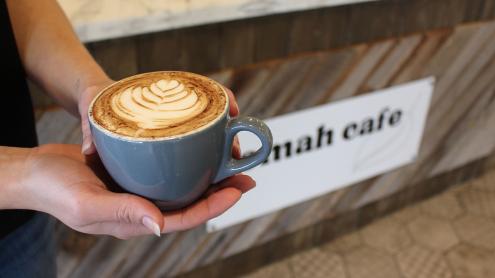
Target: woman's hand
57,179
85,97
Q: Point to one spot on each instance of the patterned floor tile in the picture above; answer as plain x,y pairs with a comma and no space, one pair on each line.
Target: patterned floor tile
388,235
420,262
444,206
277,270
344,244
407,214
450,235
490,176
476,230
459,189
316,263
485,183
478,202
371,263
433,233
470,261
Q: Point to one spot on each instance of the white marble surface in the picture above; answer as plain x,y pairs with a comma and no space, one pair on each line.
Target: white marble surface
104,19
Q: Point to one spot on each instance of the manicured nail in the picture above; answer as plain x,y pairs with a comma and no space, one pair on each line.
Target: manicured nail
151,225
85,146
237,106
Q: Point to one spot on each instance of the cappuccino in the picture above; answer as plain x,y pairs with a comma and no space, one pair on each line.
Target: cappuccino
159,104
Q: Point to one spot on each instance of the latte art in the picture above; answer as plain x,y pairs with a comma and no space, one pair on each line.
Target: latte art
162,104
159,104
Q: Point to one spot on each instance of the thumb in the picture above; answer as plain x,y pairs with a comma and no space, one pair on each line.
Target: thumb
87,144
129,211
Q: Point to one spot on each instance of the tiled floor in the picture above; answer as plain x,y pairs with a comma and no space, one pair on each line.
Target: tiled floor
450,235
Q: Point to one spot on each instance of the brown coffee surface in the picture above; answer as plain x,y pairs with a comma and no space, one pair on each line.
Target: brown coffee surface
159,104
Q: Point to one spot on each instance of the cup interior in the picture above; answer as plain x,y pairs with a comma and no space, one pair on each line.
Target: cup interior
129,138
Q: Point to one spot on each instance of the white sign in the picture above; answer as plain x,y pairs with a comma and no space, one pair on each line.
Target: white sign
324,148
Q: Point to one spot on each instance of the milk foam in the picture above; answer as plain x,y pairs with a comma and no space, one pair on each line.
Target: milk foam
159,104
163,103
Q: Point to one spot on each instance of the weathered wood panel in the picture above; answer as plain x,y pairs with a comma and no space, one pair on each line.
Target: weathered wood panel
104,19
237,44
118,58
325,71
352,79
278,36
307,33
382,76
427,48
232,44
271,37
159,51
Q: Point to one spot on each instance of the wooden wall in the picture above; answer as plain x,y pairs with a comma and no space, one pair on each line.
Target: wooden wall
213,47
236,43
336,53
459,134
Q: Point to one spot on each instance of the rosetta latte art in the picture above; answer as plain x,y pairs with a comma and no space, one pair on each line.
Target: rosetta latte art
159,104
162,104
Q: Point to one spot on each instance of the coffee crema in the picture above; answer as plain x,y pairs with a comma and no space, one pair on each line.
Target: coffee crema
159,104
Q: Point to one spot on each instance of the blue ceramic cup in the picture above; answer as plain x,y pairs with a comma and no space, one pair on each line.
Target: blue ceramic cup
175,171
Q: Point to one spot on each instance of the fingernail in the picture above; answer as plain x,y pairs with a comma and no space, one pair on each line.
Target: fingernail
151,225
237,106
85,146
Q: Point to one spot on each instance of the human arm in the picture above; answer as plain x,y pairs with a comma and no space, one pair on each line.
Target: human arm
69,74
58,180
51,53
56,60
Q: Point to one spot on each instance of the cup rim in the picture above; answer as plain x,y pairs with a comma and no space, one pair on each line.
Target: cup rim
163,138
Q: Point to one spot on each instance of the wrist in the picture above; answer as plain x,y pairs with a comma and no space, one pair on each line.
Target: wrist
87,91
90,84
13,163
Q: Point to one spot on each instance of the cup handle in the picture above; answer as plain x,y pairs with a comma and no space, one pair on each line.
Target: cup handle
230,166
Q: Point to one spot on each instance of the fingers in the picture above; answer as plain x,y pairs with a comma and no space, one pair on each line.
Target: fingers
224,196
116,229
127,215
242,182
85,99
234,111
130,215
122,215
200,212
234,108
87,144
69,150
236,148
94,162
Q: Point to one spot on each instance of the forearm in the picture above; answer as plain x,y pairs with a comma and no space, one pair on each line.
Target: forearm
12,161
51,53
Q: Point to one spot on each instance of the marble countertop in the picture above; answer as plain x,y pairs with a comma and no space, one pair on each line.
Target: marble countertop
106,19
